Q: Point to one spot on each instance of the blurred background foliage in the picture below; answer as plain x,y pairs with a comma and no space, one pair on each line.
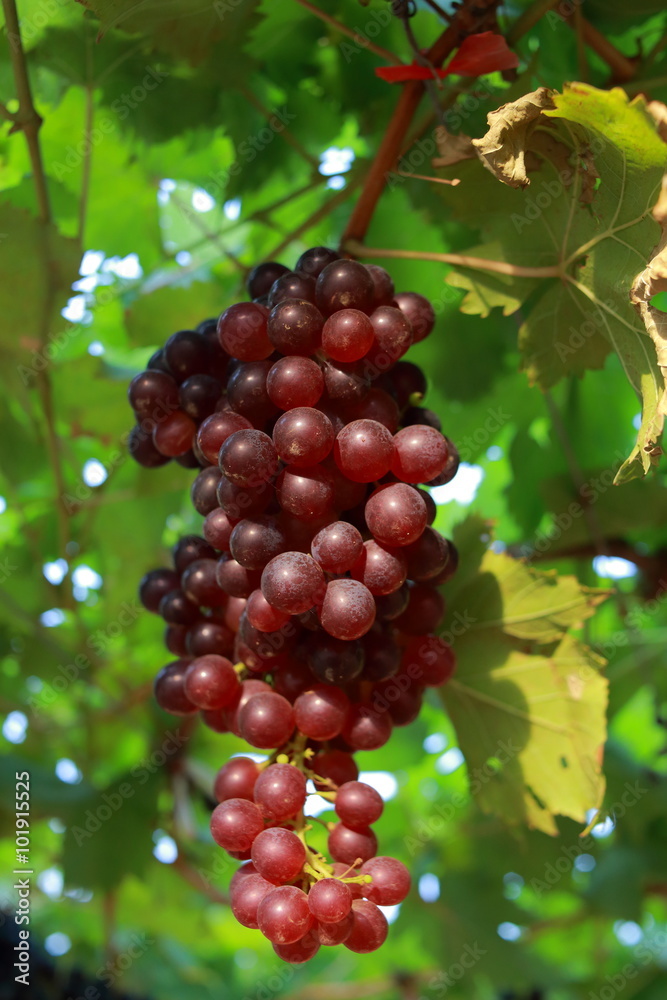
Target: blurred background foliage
166,184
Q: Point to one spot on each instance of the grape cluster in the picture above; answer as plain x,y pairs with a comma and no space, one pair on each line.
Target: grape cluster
303,619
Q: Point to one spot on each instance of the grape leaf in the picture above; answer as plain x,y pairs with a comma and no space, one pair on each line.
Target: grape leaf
158,314
181,27
530,721
542,717
652,281
38,266
525,603
121,813
581,172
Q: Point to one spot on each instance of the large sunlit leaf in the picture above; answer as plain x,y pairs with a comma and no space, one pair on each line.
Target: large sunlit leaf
581,172
530,717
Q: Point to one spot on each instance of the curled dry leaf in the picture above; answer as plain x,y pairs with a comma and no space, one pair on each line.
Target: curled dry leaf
452,148
503,148
651,281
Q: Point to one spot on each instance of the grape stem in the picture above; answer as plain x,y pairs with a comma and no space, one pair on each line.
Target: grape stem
26,118
315,864
351,33
468,19
357,249
29,121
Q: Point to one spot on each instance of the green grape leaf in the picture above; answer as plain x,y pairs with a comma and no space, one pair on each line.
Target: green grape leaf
180,27
527,701
38,266
124,812
581,172
154,317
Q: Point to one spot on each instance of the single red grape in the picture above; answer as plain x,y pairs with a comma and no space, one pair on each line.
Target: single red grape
358,805
266,720
419,312
348,845
211,682
396,514
236,779
248,458
303,436
283,915
364,450
242,331
348,609
169,689
366,729
382,570
293,582
278,854
295,381
329,900
336,547
235,823
347,335
245,897
321,712
369,928
420,455
391,881
280,792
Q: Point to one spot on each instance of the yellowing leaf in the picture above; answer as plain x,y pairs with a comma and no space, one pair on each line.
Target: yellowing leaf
525,603
527,701
532,729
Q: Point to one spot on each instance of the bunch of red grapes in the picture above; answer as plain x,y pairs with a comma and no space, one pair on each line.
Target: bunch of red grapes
303,619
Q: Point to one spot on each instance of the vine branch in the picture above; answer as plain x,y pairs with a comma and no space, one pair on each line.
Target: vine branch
623,69
26,117
87,128
468,19
361,40
357,249
284,132
192,876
